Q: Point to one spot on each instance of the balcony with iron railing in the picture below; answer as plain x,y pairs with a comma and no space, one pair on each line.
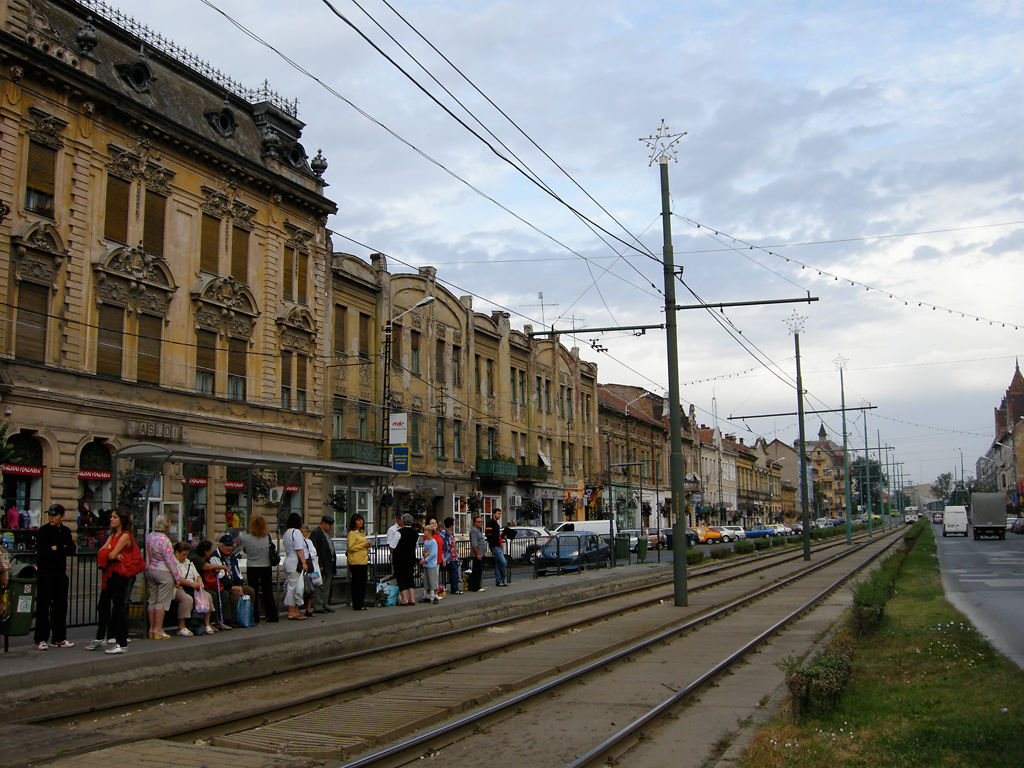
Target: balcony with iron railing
496,468
358,451
532,472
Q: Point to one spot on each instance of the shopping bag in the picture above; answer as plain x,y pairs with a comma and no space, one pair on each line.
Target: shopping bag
387,593
203,602
243,614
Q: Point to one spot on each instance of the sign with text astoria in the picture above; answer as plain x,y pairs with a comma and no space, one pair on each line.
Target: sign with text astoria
398,429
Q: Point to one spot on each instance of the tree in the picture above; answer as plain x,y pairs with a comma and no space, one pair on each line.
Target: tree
861,472
942,486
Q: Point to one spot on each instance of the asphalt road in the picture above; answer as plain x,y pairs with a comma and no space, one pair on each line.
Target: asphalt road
985,581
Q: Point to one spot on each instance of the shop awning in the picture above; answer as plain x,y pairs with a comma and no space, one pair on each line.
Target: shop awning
177,454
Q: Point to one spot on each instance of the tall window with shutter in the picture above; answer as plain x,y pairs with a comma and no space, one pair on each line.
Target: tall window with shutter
148,354
439,362
301,379
115,223
414,353
30,334
109,340
364,336
39,181
209,245
236,368
301,277
240,255
288,274
286,379
206,361
153,224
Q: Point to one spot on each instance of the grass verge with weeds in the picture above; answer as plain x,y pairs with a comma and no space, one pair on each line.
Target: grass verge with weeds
925,690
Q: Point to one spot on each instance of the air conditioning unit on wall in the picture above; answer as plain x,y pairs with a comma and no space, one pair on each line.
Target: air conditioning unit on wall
515,501
275,494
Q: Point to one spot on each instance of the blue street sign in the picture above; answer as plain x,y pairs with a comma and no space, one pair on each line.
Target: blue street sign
400,459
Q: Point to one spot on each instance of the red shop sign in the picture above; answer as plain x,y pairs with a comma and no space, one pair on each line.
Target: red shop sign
234,485
93,474
201,481
23,469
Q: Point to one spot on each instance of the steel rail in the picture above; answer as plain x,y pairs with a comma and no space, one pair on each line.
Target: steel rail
474,717
703,679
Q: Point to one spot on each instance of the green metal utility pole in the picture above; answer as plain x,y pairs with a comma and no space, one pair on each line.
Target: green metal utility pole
841,361
867,475
661,144
881,503
796,324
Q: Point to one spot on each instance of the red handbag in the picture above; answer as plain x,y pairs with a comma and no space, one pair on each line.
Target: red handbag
132,563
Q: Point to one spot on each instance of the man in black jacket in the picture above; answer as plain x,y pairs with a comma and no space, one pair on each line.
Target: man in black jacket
53,547
325,557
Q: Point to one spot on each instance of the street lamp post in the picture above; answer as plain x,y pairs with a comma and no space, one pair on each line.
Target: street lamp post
796,324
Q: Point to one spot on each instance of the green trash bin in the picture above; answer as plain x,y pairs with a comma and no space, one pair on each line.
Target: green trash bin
622,548
641,549
20,601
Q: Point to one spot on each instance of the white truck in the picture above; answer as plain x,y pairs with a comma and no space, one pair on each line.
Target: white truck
988,515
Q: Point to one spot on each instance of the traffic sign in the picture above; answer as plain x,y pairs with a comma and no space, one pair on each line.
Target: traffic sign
400,459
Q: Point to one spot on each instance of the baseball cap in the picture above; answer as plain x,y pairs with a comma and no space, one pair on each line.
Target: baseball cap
227,539
55,509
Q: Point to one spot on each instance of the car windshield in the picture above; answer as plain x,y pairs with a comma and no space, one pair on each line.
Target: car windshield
563,543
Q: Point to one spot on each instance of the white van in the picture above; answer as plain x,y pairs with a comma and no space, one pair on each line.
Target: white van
602,527
954,521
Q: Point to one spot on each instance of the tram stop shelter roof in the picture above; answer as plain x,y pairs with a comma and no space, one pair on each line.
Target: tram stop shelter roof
178,454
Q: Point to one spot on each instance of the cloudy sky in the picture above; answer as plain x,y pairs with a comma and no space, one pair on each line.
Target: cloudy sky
864,152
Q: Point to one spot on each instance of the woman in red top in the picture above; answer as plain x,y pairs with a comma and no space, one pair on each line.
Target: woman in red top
113,606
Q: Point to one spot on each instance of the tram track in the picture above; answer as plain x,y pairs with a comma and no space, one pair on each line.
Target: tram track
461,731
258,708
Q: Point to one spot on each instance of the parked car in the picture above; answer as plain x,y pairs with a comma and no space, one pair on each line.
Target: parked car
1018,525
341,556
821,522
653,538
573,551
797,528
760,532
781,529
1009,523
936,517
731,532
706,535
528,539
665,534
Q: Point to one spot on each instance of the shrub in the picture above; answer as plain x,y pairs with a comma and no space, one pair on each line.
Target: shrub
817,685
718,554
762,543
743,547
694,556
779,541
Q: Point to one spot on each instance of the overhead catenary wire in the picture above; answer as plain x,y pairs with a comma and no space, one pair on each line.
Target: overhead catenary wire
422,153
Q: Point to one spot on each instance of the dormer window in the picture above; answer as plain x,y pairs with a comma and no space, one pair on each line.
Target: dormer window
137,74
223,122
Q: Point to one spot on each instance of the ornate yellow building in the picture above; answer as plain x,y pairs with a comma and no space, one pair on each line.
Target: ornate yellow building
487,411
164,274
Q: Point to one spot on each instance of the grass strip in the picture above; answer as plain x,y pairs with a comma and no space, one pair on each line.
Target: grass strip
925,690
